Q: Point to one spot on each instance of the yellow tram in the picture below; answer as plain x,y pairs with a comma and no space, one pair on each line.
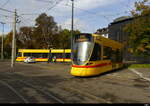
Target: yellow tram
42,55
94,54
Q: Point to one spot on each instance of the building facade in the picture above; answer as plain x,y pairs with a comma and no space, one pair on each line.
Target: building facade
116,32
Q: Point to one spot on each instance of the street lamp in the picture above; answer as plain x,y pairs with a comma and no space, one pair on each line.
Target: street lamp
2,46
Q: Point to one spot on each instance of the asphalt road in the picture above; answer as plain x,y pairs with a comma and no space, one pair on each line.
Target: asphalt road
120,86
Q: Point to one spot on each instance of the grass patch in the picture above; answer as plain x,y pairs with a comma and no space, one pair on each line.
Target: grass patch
139,66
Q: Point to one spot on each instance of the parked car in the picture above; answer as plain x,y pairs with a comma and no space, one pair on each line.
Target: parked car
29,60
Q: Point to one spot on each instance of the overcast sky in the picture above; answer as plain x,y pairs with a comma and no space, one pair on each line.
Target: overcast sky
90,15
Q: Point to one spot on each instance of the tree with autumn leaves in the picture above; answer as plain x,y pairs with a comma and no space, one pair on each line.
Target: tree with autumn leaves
139,29
44,35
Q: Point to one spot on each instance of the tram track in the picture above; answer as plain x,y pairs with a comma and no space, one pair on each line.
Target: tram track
10,83
51,92
86,94
47,95
70,90
115,81
14,91
46,91
100,89
137,83
80,93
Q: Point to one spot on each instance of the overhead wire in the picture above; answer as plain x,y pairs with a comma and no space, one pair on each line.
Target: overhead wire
104,16
6,10
2,9
51,1
5,3
88,11
5,16
57,2
27,19
30,14
96,14
44,1
82,10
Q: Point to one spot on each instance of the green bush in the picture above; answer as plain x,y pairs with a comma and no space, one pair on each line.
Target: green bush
139,66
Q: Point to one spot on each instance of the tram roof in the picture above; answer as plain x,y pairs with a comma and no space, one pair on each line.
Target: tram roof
44,50
108,42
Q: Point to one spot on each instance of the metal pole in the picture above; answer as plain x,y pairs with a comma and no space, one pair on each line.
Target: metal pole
72,26
13,41
72,23
2,46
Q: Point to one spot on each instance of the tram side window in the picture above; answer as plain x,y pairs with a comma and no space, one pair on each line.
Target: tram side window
118,55
45,55
113,56
96,55
68,55
63,55
107,53
58,55
19,54
37,55
27,54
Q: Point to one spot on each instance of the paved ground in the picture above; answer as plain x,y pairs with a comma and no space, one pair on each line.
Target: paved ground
121,86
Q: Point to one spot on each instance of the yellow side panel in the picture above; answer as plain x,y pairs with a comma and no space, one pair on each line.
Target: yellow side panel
77,71
20,59
57,51
59,60
67,50
90,71
118,66
67,60
35,50
41,60
45,50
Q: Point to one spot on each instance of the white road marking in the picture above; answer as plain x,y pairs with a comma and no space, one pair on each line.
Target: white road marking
140,74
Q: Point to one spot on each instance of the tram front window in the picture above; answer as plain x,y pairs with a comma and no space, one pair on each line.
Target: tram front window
82,48
82,52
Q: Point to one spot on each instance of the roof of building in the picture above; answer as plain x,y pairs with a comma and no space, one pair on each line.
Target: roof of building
122,19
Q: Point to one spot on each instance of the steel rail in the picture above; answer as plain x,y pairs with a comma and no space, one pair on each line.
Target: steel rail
44,92
14,91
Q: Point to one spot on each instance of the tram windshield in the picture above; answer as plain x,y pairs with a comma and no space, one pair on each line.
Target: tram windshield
82,48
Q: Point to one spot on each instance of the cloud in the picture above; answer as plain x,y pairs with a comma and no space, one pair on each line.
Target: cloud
90,4
62,9
62,12
78,25
65,6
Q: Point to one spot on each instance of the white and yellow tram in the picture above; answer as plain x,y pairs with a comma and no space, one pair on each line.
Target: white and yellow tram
94,54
